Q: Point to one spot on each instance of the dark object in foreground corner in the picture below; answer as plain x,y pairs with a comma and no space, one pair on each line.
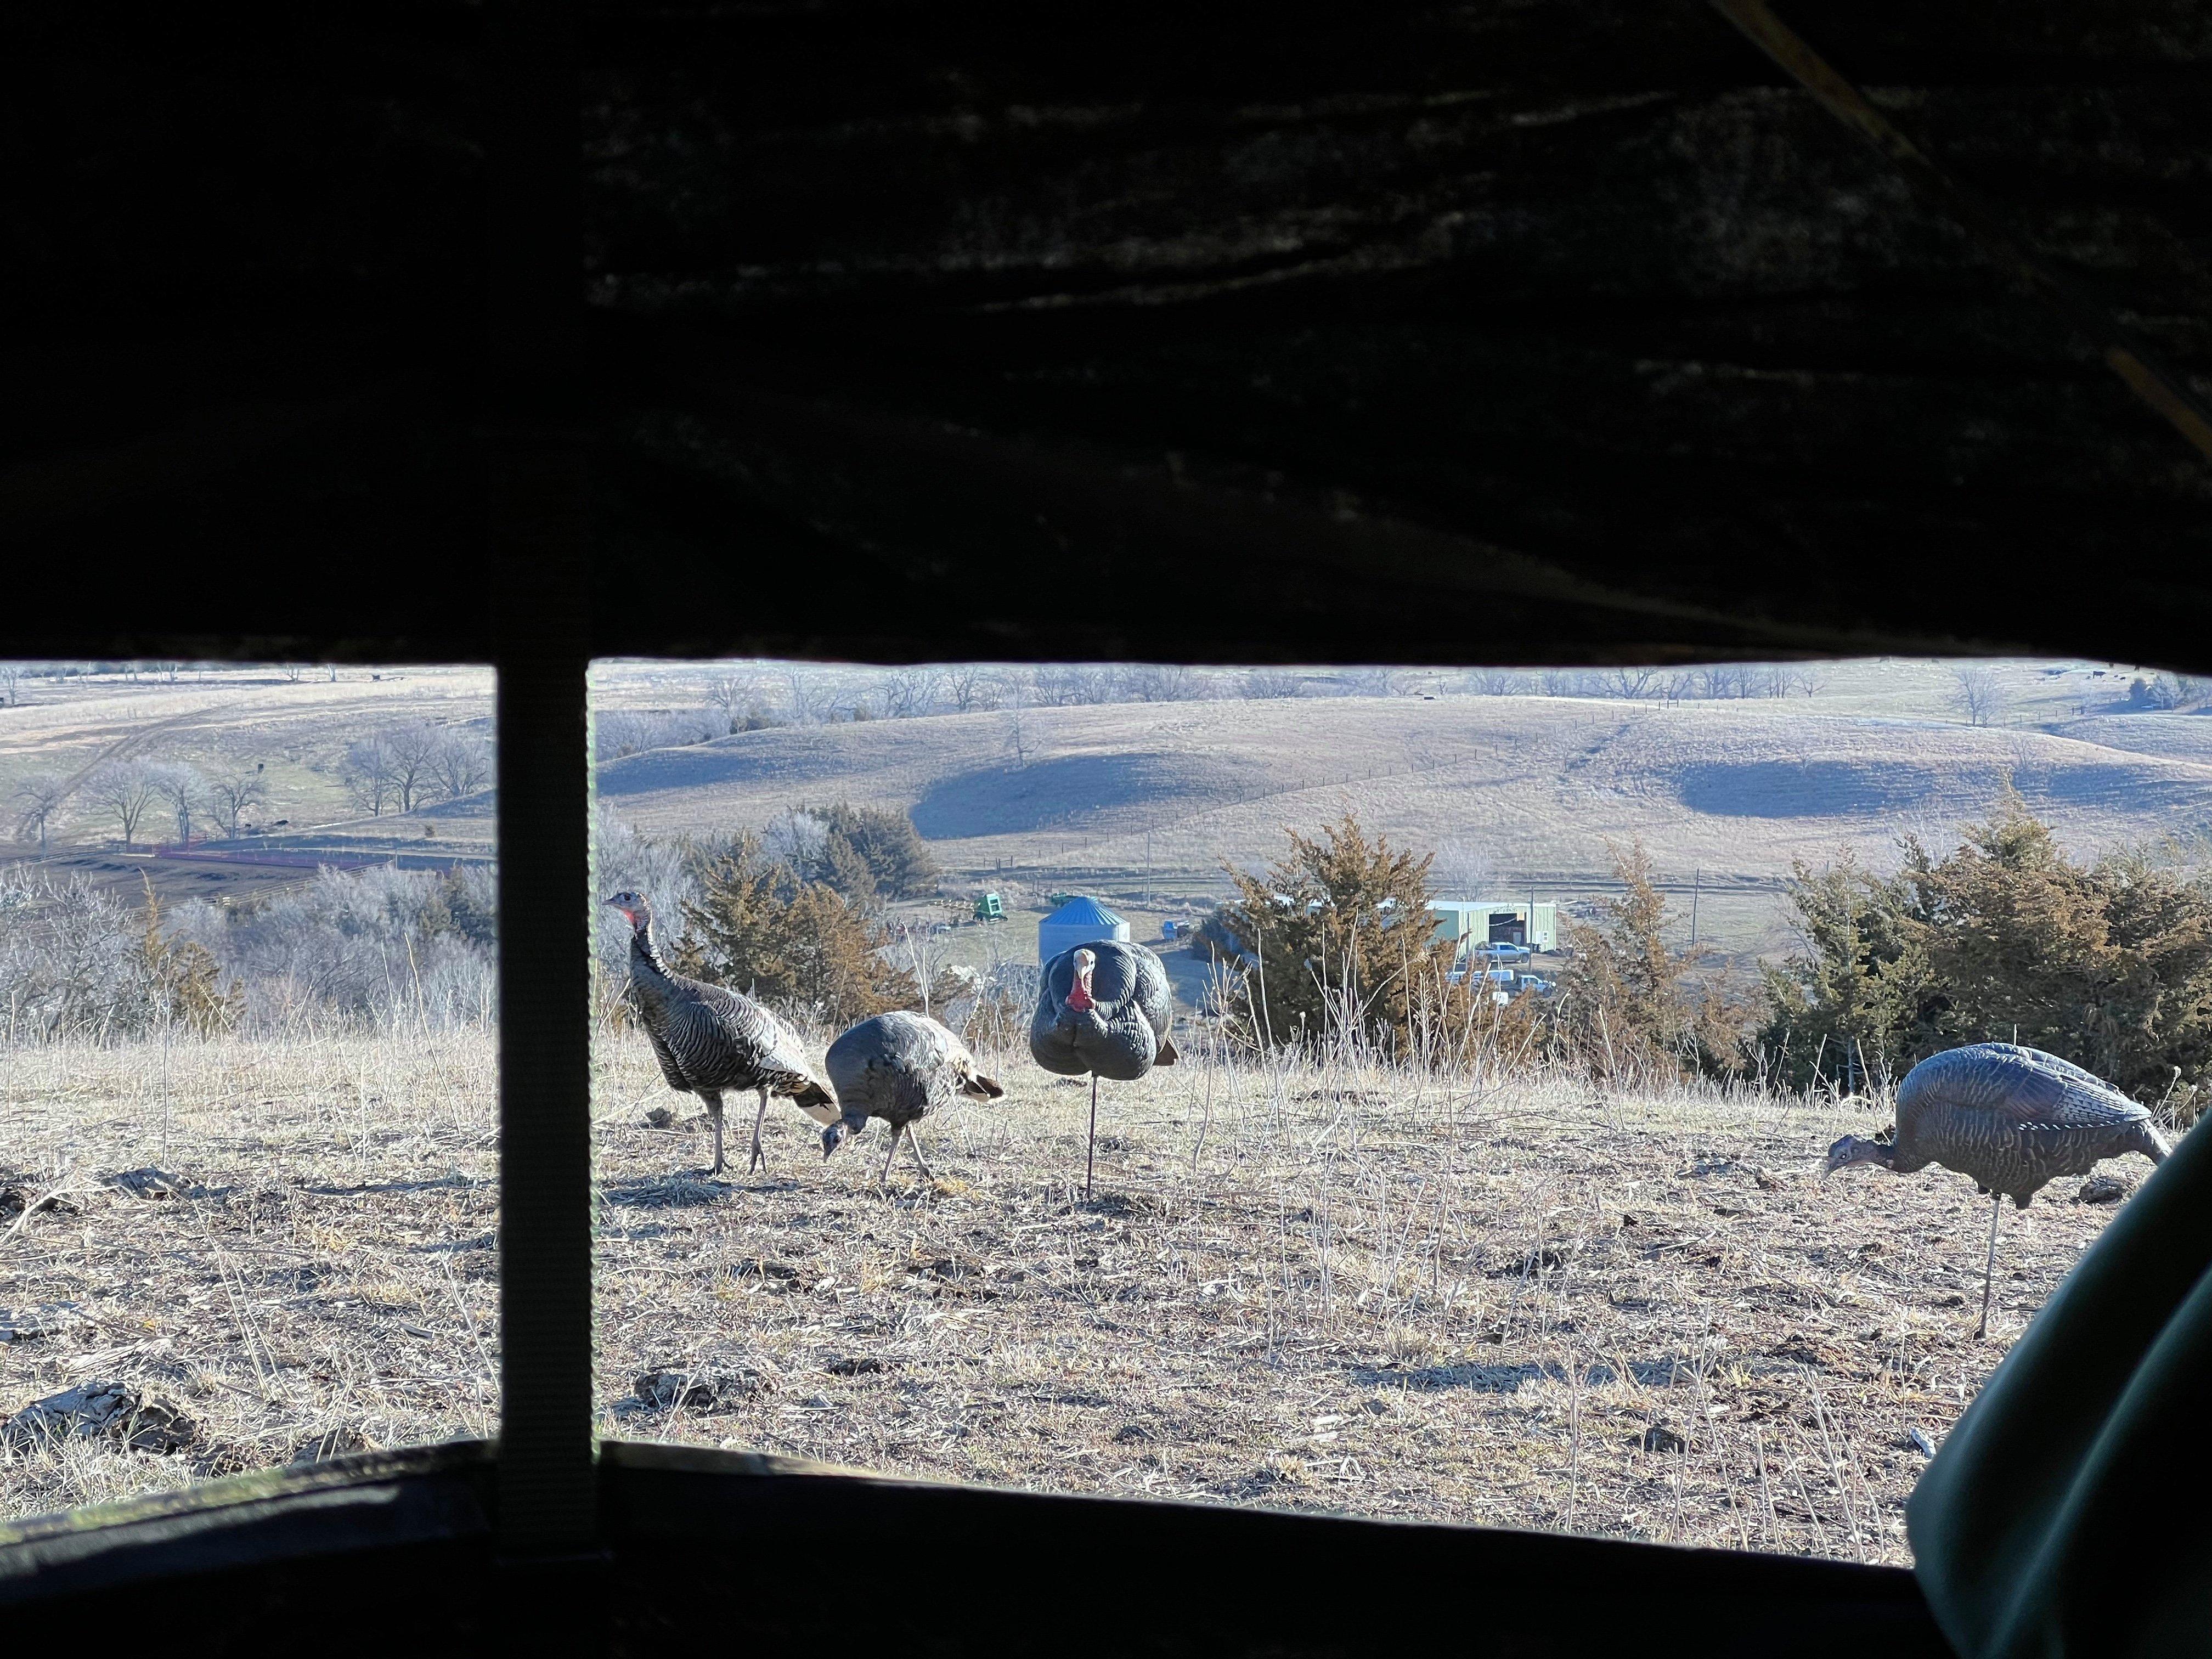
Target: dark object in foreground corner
390,1553
2033,1528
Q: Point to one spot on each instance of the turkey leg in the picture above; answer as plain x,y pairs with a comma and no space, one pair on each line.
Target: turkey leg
1990,1264
883,1175
759,1117
714,1112
913,1145
1091,1145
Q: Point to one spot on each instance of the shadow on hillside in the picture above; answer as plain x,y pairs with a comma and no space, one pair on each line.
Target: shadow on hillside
1004,799
1837,789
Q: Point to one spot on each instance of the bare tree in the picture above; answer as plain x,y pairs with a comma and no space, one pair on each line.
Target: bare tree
413,748
1463,869
1978,696
971,686
910,691
11,681
1270,683
734,695
810,697
1018,747
235,793
1722,680
796,839
367,773
293,670
1627,682
1496,682
460,763
1373,682
125,790
1054,686
181,786
38,799
1158,681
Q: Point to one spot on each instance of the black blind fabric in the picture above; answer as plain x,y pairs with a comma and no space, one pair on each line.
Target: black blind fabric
2066,1513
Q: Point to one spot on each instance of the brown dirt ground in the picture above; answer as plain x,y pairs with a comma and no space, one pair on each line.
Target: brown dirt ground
1521,1301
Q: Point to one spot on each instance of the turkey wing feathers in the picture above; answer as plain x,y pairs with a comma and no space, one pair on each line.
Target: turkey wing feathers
669,1067
724,1040
2032,1089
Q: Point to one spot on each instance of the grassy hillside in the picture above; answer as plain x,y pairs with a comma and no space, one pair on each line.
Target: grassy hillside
1527,792
1144,802
221,718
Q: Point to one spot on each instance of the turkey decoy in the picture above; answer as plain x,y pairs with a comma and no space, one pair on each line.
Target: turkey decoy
708,1039
2012,1118
1103,1008
899,1067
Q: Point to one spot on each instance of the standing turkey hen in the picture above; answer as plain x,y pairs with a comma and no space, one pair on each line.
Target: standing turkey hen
1103,1008
899,1067
708,1039
2012,1118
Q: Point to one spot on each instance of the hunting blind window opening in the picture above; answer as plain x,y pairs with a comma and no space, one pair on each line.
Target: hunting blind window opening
1404,1092
249,1196
1475,1172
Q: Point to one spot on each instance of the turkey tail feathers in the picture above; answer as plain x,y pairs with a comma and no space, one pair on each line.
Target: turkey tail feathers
1167,1055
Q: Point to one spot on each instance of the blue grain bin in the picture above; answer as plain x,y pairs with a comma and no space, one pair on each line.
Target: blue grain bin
1081,920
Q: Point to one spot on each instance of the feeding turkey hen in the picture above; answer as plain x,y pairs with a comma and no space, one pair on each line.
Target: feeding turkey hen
900,1068
2013,1118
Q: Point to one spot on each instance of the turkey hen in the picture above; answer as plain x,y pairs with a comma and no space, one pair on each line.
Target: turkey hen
708,1040
2013,1119
899,1067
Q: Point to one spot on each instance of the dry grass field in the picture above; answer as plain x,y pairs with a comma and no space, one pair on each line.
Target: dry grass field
1515,1300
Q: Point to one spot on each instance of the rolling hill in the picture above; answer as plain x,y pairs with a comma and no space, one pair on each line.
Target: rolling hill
1526,789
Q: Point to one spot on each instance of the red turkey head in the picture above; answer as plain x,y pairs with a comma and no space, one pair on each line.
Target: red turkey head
1086,963
633,906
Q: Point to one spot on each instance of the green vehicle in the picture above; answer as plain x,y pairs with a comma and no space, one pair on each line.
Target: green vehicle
987,909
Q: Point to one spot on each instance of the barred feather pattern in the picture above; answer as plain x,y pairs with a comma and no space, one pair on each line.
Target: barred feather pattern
2014,1118
709,1039
900,1066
